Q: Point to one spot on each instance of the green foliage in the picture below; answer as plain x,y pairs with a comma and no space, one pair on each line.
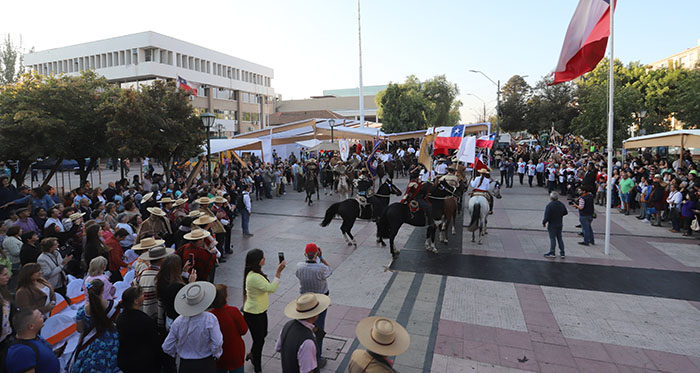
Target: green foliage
514,104
158,122
687,102
10,67
551,106
416,105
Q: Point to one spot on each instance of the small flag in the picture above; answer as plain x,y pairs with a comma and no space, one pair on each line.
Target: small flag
478,164
370,159
486,141
183,84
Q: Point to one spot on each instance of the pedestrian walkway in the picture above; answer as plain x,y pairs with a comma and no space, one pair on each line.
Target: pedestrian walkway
495,307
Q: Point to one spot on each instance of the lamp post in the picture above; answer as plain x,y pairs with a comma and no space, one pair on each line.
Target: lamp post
498,105
331,122
482,100
208,120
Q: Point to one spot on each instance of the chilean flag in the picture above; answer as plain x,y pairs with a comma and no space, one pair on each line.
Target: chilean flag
183,85
448,137
585,41
486,141
478,164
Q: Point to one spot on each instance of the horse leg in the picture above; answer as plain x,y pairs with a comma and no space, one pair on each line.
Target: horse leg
473,235
454,223
433,229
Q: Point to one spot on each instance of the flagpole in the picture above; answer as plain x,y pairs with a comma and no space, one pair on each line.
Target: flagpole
611,111
359,41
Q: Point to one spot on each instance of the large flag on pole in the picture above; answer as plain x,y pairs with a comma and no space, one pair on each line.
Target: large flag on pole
486,141
370,159
585,41
447,138
183,84
467,151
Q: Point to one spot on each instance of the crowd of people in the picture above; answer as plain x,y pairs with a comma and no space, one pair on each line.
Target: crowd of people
145,253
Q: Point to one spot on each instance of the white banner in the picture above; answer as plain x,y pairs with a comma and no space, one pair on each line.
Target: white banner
344,147
467,150
267,150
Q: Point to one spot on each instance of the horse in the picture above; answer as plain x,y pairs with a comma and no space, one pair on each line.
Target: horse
343,186
399,213
449,216
349,210
309,186
479,212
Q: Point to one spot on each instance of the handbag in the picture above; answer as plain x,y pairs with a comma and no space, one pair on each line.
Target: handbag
694,225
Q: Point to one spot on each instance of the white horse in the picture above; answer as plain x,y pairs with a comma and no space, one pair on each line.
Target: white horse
479,212
343,186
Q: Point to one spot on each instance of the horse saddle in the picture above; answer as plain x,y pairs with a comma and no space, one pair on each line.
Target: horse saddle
361,200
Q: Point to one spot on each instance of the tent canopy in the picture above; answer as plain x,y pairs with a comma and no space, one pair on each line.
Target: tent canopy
680,138
222,145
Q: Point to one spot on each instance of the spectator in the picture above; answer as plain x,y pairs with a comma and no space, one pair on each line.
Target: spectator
313,275
6,307
687,206
674,203
55,218
139,343
96,271
157,225
297,340
626,184
33,291
586,211
195,252
233,327
147,281
169,281
553,219
53,264
245,210
29,251
382,338
29,352
256,288
94,246
195,336
128,222
12,246
116,254
100,344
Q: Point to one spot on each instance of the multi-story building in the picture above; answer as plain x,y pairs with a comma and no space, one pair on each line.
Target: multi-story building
343,102
238,92
688,58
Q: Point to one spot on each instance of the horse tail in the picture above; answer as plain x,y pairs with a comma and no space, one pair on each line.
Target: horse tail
476,215
383,227
330,213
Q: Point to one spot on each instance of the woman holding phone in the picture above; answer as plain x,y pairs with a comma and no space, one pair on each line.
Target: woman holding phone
256,289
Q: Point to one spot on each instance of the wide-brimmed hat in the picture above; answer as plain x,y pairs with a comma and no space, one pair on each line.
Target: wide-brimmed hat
204,220
203,200
219,199
195,214
146,196
307,305
158,252
147,243
76,216
383,336
197,234
166,200
155,211
180,202
483,171
195,298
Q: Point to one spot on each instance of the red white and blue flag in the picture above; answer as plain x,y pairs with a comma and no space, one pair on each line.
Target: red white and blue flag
447,138
486,141
372,156
183,84
585,41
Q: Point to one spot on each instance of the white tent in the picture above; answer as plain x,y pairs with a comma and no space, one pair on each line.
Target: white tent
222,145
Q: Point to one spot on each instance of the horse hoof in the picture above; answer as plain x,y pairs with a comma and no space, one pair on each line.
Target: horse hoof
434,251
349,243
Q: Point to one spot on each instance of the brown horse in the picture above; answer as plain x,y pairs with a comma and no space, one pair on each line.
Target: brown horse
449,215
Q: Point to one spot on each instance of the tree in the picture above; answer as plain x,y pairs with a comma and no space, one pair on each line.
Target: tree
27,128
10,67
551,106
686,104
158,122
514,104
416,105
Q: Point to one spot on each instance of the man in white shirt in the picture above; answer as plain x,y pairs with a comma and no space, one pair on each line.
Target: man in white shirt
245,211
411,150
441,168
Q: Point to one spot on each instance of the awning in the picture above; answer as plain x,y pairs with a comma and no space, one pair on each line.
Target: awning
405,135
681,138
222,145
315,145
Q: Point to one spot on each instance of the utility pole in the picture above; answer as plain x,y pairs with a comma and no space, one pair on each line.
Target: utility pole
359,39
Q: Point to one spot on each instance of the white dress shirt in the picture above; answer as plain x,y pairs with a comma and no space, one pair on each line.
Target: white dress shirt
194,337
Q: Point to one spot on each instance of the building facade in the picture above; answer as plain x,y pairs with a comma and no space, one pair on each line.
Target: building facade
689,59
238,92
343,102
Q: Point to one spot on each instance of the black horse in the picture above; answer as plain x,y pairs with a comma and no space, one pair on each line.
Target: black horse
398,213
349,210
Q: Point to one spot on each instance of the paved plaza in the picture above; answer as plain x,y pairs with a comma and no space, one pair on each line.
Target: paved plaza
496,307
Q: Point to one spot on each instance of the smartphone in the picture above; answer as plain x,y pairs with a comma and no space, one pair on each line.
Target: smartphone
192,259
281,256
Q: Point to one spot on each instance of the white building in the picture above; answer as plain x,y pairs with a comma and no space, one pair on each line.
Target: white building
237,91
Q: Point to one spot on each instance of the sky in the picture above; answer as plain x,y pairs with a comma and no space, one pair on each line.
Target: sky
312,45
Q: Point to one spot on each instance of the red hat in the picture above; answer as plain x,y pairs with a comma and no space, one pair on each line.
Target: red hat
311,248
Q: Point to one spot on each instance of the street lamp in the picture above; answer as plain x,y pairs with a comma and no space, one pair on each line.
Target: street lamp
331,122
208,120
482,100
498,105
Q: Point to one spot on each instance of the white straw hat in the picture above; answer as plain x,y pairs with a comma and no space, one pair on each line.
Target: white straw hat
383,336
195,298
307,305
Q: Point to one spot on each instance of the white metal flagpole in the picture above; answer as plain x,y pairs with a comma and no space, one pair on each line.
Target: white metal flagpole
611,111
359,40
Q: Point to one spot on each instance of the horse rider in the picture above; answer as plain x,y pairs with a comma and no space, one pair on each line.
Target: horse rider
450,178
481,186
416,196
338,169
441,168
363,185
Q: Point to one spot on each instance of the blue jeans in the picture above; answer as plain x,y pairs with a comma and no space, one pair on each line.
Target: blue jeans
554,237
245,219
586,222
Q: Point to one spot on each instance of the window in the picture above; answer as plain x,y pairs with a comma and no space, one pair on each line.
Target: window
135,56
148,54
178,59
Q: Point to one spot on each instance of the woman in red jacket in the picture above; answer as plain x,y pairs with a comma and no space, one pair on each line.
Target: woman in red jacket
233,327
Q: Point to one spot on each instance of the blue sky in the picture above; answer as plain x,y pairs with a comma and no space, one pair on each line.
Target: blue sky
312,44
